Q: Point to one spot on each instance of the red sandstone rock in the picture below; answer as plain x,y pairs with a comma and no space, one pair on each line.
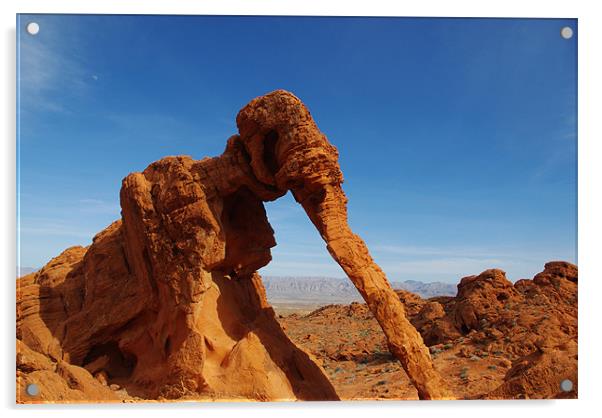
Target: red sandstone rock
167,301
481,298
521,348
157,342
57,381
539,375
169,293
287,150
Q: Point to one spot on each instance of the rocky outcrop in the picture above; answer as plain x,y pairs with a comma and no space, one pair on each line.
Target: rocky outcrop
540,375
494,340
488,305
481,299
90,312
57,381
166,302
535,321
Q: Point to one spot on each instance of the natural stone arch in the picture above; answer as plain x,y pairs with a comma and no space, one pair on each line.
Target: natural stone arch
168,299
288,152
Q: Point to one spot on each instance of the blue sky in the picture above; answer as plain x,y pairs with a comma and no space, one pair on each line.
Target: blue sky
457,137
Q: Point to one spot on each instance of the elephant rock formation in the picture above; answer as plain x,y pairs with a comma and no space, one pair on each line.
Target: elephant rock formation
167,303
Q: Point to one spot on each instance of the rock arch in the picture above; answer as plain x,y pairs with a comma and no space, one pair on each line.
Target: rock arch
170,295
307,164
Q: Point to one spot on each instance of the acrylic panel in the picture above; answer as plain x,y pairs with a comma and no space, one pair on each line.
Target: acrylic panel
189,231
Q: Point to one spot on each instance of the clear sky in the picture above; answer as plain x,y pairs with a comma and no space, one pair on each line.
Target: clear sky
457,137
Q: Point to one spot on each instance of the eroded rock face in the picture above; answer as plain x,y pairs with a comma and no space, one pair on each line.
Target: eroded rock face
540,374
520,341
154,338
481,298
166,302
57,381
532,321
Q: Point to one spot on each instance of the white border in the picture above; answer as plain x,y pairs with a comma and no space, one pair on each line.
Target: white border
590,205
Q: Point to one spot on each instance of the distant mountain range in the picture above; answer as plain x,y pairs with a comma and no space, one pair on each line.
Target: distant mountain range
335,290
326,289
427,289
